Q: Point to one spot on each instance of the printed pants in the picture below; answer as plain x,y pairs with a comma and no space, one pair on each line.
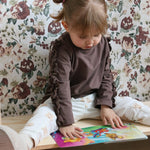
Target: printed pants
43,121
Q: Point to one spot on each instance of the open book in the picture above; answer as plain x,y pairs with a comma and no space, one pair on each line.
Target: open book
100,134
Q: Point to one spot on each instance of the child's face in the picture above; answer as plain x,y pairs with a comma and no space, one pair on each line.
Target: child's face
86,41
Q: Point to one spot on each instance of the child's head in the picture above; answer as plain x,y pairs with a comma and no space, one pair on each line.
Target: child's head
85,17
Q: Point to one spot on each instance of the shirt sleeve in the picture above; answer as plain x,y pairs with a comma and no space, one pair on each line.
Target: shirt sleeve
60,67
106,93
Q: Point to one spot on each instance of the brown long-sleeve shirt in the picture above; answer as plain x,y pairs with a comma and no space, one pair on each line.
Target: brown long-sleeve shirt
75,72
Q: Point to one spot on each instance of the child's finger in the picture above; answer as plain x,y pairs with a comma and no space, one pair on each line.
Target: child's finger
70,135
78,129
112,124
81,134
105,121
65,135
117,123
77,135
120,122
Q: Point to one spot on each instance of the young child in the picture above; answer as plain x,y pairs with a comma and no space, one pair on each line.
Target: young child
80,81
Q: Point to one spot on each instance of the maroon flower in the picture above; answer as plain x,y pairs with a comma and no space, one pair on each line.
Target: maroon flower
113,26
20,10
123,54
27,66
2,51
32,99
147,68
128,40
132,11
124,93
3,1
21,91
44,46
40,3
141,38
138,51
134,76
129,85
32,20
54,27
136,2
39,32
4,81
117,41
1,92
126,23
40,82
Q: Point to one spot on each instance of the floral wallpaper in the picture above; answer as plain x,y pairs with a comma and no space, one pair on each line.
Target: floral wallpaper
129,28
26,30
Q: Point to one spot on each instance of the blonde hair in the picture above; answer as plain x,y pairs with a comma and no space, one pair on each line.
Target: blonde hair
84,15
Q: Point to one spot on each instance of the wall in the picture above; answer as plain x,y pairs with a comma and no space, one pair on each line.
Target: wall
129,27
26,31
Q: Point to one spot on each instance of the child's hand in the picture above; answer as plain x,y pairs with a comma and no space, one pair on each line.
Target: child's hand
109,116
71,131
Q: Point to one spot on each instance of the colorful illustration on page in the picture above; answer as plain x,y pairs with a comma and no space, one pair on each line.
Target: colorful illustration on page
100,134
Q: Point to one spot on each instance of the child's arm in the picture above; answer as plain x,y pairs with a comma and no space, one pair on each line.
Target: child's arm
105,94
60,67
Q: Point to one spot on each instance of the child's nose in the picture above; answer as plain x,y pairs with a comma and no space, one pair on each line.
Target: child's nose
89,42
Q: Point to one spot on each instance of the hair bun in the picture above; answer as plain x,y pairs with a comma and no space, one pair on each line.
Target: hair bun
58,1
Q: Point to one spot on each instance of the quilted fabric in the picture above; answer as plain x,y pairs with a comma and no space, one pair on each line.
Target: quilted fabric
26,31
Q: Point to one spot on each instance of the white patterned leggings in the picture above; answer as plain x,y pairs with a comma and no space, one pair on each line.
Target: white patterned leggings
43,121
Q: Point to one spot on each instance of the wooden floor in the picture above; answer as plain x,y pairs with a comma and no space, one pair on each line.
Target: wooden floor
17,123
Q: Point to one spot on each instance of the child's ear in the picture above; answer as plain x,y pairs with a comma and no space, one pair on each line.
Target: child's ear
65,25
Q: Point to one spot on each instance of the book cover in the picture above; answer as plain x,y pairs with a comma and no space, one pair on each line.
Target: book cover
100,134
